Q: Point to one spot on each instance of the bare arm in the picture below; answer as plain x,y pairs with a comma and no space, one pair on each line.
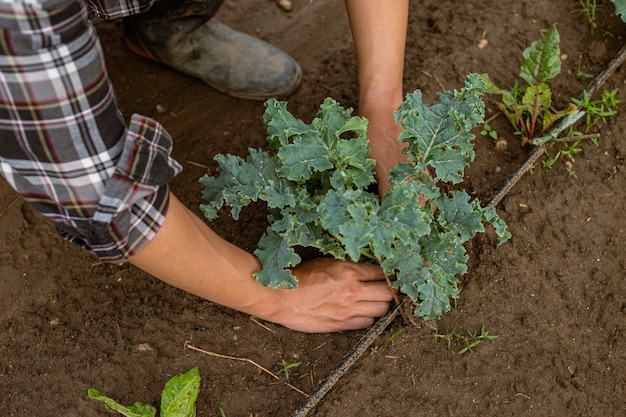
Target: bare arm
379,30
331,296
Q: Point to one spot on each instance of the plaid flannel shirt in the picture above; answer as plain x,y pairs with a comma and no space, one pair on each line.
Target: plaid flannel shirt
64,145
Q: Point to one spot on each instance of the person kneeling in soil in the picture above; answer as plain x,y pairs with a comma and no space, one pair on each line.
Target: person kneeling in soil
104,183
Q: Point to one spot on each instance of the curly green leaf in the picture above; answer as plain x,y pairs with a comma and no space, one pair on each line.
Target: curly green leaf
276,256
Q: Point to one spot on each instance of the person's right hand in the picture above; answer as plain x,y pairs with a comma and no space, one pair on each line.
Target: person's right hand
333,296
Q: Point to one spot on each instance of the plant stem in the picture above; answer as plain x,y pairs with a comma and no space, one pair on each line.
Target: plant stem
389,283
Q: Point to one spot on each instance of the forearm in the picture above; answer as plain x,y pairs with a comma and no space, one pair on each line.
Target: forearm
379,31
187,254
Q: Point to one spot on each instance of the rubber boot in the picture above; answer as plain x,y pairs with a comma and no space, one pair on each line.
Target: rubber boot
184,36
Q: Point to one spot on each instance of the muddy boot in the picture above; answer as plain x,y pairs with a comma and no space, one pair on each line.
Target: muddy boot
182,35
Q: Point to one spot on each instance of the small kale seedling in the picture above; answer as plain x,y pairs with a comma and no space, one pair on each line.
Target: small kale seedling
316,186
178,398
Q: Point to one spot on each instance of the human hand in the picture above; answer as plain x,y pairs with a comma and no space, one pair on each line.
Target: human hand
385,147
333,296
383,133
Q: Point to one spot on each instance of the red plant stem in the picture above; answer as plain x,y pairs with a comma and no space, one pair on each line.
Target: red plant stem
520,117
533,122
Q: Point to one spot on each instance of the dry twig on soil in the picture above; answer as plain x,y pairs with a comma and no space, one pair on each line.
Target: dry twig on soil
250,361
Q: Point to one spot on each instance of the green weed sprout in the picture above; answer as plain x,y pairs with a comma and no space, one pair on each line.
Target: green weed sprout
488,130
469,340
286,366
598,110
588,10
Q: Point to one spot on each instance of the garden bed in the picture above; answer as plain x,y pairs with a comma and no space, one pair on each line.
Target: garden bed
555,294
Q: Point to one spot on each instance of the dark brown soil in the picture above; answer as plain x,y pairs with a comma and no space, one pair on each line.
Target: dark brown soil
555,294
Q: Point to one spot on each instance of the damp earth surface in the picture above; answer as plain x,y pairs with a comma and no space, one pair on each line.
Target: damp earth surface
555,294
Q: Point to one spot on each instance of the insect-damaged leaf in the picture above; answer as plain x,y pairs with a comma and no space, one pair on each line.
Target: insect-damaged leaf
179,396
458,216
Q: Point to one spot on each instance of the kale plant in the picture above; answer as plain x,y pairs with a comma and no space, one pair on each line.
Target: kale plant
317,182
